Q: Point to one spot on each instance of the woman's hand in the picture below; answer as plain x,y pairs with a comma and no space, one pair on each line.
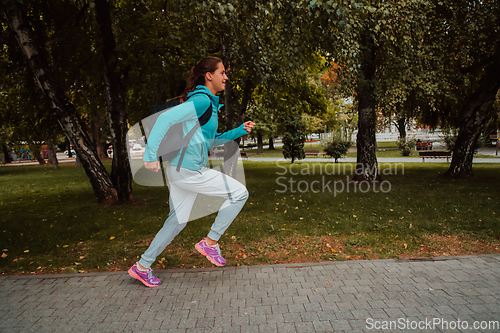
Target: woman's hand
248,126
153,166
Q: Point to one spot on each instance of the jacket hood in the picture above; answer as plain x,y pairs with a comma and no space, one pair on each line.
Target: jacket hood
205,90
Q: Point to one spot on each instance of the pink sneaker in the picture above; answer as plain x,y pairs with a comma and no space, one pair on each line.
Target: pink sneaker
147,278
211,252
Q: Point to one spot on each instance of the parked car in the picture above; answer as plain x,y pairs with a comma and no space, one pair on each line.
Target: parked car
136,147
72,152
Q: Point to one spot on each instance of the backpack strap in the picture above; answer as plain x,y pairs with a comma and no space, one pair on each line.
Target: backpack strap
202,120
205,117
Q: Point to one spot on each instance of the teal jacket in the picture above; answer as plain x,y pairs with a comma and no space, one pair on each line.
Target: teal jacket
187,113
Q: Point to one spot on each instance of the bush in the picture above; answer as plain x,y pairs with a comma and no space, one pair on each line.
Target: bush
337,146
337,149
406,145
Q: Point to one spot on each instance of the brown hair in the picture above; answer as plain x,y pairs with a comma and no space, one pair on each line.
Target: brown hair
197,74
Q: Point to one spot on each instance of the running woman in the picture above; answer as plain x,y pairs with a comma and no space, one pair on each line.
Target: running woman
206,79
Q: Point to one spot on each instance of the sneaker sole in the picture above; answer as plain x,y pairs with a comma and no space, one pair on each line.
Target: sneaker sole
200,249
135,276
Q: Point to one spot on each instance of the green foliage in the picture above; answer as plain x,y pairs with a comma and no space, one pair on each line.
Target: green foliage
337,146
294,138
406,145
264,119
313,124
336,143
449,139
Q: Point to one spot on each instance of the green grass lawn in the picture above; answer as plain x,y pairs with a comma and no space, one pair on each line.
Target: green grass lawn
50,221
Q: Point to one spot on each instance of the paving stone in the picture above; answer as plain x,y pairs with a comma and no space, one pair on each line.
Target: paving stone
275,318
316,297
286,327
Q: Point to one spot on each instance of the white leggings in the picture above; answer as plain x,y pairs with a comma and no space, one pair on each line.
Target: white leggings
184,186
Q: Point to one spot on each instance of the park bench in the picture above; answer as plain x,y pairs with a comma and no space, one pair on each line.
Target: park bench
314,153
434,154
311,152
421,145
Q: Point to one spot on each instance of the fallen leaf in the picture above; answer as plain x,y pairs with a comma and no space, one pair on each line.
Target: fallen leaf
26,251
4,255
112,237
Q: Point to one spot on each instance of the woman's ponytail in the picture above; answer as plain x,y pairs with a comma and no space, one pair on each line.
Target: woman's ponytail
197,74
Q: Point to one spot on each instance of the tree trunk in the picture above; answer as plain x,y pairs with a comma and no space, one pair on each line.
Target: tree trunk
230,149
52,158
121,175
366,160
260,144
401,125
473,118
35,151
63,109
6,154
228,89
271,143
96,130
247,95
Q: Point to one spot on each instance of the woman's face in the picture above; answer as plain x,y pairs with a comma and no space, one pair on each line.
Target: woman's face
216,81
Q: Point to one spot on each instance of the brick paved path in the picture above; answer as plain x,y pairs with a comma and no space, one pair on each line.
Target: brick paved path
318,297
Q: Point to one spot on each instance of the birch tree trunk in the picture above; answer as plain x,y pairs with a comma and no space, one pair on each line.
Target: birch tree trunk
121,175
63,109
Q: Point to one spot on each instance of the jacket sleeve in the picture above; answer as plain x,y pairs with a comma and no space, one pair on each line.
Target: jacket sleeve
221,138
183,112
